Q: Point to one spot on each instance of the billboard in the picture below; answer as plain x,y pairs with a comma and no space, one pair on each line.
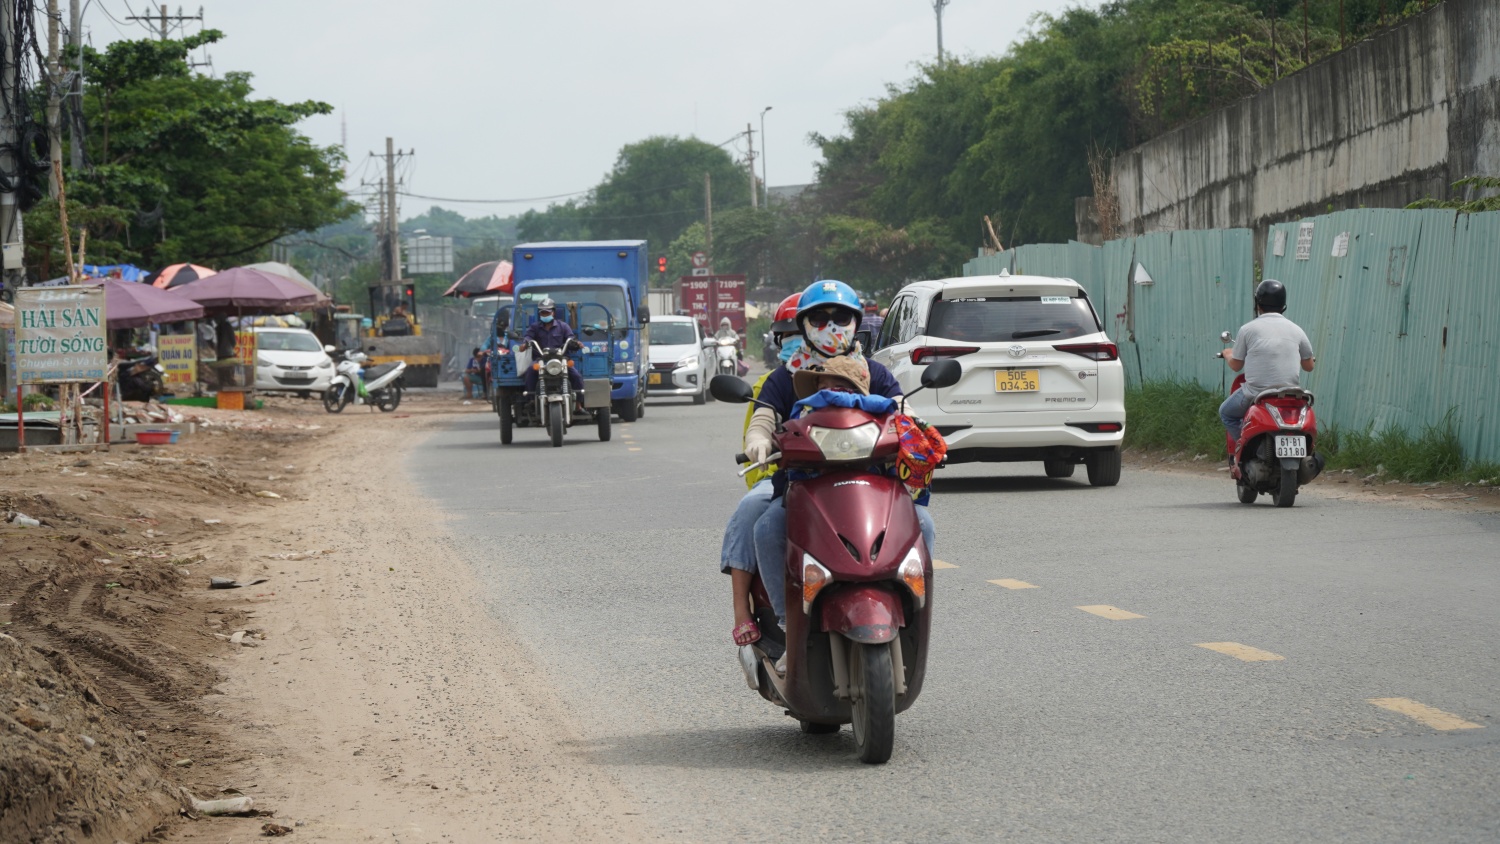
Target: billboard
60,335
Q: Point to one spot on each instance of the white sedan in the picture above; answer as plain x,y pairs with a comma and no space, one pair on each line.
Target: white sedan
680,366
291,360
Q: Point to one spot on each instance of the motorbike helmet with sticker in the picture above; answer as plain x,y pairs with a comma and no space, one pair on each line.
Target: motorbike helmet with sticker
821,294
1270,296
785,319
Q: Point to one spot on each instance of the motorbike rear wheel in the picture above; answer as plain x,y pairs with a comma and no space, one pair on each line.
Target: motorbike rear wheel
875,711
333,399
1288,494
390,399
555,426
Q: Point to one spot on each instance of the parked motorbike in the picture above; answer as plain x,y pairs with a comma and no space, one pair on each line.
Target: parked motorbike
859,576
1277,449
142,379
380,386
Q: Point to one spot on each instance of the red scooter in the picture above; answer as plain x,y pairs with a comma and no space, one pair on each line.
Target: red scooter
858,576
1276,452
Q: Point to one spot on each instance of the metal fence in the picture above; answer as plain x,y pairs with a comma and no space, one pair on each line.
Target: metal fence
1402,307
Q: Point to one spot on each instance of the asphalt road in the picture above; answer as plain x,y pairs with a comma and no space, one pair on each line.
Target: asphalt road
1040,721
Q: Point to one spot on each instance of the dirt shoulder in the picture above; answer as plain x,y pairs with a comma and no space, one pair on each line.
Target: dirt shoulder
359,692
1337,484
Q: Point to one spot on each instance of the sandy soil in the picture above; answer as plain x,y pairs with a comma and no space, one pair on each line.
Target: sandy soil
372,697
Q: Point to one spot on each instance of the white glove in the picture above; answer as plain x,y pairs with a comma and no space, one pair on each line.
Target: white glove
758,450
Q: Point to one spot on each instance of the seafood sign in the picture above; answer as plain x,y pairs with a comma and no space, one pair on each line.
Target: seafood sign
60,335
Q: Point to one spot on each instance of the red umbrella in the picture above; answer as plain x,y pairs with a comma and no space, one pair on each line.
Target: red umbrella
486,279
243,290
132,305
177,274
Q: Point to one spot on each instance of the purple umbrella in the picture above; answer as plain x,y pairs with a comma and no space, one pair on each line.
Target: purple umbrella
243,290
132,305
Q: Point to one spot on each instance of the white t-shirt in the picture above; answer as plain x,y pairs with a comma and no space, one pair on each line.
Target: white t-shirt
1273,348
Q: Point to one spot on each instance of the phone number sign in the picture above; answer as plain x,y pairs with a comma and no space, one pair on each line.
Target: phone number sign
60,335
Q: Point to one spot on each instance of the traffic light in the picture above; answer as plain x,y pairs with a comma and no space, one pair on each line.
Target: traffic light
661,265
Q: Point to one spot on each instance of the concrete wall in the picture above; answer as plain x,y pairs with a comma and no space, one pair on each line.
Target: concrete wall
1388,121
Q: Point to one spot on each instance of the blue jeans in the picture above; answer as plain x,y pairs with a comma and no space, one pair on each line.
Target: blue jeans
738,551
770,551
1232,411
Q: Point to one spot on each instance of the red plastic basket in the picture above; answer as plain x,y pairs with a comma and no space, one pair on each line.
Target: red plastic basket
153,437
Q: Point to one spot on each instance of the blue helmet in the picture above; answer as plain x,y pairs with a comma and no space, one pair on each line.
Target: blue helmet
821,294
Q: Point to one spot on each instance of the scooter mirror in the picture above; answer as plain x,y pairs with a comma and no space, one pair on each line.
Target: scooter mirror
329,349
1226,336
942,373
729,388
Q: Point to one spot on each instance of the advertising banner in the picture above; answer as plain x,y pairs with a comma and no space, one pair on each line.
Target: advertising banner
60,335
179,357
245,347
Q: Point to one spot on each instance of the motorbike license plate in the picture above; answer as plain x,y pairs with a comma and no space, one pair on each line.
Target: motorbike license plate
654,378
1291,446
1017,380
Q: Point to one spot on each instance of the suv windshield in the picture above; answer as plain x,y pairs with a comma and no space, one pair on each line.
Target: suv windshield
610,297
672,333
287,341
992,319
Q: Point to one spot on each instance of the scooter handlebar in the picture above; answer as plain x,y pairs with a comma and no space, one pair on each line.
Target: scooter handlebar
742,457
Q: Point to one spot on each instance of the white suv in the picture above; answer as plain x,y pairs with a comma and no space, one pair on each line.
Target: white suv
1041,379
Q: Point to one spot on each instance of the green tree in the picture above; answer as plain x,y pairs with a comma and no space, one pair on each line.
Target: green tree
209,173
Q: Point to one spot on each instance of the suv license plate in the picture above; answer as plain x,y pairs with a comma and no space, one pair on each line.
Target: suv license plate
1291,446
1017,380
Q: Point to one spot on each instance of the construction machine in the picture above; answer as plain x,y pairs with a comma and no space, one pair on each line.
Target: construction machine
395,333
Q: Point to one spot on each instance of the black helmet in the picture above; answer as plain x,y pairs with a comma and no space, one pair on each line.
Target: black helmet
1270,296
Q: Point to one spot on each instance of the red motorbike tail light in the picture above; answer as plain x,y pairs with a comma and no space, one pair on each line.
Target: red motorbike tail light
1092,351
814,578
920,356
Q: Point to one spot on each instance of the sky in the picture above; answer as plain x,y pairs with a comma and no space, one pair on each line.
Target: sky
504,99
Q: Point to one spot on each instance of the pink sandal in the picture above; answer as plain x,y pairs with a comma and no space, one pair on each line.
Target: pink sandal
747,633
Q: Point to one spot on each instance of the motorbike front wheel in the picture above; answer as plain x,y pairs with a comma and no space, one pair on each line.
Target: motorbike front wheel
333,399
389,399
555,426
603,419
875,710
502,407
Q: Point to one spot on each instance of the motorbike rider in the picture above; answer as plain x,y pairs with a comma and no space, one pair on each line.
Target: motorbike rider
828,315
1269,349
737,554
549,332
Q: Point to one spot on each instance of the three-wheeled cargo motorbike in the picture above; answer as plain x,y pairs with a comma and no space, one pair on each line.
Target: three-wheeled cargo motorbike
553,406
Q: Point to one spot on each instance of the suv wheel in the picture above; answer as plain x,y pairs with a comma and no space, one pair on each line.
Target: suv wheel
1103,466
1059,468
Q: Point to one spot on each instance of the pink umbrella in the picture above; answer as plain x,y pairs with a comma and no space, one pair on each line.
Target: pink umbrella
486,279
132,305
177,274
246,291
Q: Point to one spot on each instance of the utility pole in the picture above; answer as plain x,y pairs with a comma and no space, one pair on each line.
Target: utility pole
10,163
393,225
75,40
938,6
708,218
162,18
54,104
750,162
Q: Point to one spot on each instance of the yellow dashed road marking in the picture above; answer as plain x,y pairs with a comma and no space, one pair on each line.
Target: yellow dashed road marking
939,564
1239,651
1424,714
1011,583
1109,612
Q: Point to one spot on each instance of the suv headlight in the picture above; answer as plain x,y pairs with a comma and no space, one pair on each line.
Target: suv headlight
554,367
846,443
626,367
690,360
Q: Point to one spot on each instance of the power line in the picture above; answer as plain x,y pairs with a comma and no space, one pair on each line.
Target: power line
493,201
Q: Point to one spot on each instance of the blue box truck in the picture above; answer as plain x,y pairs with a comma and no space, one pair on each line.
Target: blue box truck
600,287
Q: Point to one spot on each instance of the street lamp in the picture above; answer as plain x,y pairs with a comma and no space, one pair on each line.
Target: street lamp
765,185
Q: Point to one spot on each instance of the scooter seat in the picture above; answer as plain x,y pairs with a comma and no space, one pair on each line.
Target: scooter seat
376,372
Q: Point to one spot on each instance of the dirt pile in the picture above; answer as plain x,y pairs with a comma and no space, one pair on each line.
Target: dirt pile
108,638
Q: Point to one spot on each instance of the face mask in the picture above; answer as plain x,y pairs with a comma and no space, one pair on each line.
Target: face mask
546,317
789,347
831,339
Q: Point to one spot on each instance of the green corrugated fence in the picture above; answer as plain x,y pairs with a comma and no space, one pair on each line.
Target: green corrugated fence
1402,307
